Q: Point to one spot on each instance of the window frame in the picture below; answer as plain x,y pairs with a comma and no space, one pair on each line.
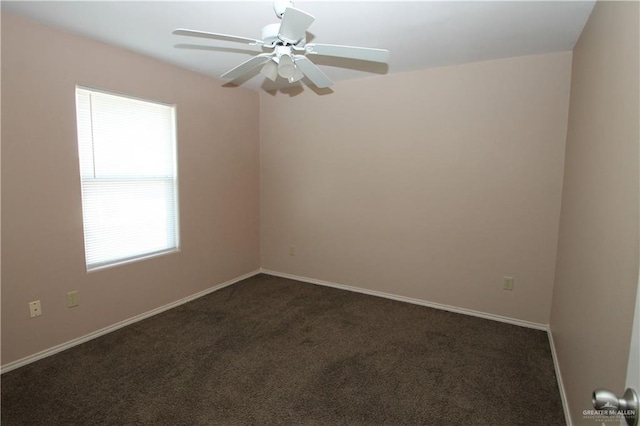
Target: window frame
176,248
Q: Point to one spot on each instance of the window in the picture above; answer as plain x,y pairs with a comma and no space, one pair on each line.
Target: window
127,150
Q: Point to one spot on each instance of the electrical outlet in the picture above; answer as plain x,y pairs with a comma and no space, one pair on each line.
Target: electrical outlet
507,283
292,250
72,299
35,309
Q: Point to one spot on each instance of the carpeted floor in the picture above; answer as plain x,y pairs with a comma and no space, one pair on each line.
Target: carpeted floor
269,350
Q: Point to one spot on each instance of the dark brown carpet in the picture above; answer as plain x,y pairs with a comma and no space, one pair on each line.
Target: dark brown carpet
273,351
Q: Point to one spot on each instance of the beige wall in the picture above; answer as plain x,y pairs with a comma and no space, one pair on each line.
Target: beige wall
431,184
42,239
597,267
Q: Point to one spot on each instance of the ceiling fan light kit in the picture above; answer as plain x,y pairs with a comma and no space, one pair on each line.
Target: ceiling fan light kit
288,41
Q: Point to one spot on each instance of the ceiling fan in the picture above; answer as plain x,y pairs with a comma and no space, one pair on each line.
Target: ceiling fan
287,40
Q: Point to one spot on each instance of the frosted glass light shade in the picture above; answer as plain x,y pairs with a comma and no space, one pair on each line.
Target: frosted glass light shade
270,70
296,76
286,68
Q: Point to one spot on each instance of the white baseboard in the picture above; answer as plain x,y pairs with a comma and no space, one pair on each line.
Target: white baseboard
471,312
71,343
556,365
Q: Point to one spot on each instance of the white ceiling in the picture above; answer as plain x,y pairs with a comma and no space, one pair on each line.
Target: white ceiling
418,34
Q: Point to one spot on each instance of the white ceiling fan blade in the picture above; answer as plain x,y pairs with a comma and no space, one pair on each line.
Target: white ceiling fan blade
312,72
217,36
294,24
247,66
350,52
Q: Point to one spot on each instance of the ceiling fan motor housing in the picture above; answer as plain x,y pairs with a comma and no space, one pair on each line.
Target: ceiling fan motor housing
270,36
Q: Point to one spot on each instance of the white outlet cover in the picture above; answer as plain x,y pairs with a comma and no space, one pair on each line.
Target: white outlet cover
35,309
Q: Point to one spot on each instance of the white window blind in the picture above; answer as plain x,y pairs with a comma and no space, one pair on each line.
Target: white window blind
127,151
